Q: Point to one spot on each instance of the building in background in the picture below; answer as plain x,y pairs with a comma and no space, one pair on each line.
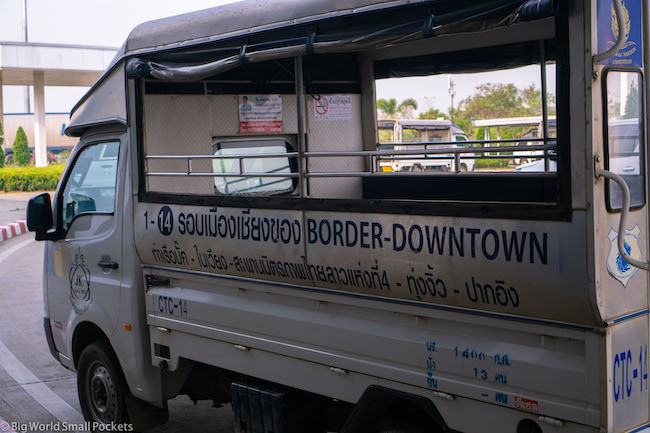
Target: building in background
55,124
40,65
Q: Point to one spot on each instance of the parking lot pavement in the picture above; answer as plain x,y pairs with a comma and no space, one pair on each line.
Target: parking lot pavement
34,387
13,206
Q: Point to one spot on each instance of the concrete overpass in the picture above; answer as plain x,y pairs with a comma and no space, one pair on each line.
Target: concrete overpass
40,65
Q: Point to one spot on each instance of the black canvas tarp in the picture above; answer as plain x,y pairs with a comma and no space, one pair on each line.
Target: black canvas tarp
352,32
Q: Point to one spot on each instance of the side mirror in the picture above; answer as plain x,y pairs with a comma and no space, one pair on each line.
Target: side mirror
39,215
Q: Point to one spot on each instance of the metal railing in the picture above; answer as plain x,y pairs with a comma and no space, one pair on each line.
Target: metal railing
375,158
625,211
241,158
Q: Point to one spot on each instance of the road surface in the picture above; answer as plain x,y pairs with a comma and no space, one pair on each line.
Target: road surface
36,388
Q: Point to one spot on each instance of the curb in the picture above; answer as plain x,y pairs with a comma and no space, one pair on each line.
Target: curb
11,230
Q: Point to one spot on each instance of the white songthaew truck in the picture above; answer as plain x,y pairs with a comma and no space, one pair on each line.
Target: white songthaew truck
224,230
424,131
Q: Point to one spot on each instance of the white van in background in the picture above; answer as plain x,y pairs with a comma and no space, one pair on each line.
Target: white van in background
624,145
415,134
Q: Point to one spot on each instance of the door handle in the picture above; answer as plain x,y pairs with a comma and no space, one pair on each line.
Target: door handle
107,264
625,210
157,281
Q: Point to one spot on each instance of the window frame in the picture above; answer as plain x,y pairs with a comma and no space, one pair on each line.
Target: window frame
642,146
289,142
559,209
60,208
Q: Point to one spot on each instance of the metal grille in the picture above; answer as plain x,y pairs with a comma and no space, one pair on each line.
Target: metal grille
189,165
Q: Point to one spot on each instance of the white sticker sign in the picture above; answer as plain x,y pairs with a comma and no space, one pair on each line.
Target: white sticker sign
260,113
333,107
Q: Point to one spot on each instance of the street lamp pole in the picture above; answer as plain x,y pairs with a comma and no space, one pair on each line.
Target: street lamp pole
26,38
452,93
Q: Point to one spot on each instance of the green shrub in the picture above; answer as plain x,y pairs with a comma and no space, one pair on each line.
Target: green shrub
22,156
30,178
492,163
2,142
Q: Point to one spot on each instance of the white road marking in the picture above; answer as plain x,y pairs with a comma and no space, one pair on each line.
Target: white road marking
28,381
4,256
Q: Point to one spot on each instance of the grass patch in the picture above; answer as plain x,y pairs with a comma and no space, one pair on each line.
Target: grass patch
492,163
30,178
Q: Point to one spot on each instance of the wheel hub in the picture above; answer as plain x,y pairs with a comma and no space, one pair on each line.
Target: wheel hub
102,394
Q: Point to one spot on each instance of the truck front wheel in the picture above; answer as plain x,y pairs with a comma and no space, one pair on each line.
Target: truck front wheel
101,386
412,429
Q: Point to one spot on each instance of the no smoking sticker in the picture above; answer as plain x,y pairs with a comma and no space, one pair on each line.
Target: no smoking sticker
333,107
320,105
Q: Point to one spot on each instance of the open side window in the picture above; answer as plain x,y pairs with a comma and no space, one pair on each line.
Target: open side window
508,108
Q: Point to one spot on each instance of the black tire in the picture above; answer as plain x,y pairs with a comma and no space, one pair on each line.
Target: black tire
101,385
407,429
416,167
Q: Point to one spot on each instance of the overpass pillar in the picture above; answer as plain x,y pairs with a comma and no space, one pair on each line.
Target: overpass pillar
2,121
40,146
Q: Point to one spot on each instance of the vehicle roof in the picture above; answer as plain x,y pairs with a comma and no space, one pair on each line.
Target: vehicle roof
235,19
511,121
193,32
421,124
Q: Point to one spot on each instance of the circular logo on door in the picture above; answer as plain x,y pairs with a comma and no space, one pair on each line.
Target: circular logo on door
79,284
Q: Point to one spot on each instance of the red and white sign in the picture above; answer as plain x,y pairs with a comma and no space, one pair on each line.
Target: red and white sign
526,404
260,113
320,105
333,107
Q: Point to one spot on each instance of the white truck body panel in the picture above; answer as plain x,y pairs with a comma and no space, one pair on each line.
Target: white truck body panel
506,310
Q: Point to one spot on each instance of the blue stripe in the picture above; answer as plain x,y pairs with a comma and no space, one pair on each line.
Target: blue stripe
638,429
378,298
631,316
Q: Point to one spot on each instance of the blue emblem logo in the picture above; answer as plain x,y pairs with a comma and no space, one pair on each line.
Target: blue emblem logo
631,53
616,265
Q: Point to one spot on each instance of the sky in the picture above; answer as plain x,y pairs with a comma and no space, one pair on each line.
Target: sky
433,91
80,22
108,23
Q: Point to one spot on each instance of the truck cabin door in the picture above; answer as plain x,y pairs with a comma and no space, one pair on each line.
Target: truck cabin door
84,273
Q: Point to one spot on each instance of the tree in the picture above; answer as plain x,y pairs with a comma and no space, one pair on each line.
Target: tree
493,101
406,108
532,99
390,109
387,106
631,108
2,153
432,113
22,156
497,100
